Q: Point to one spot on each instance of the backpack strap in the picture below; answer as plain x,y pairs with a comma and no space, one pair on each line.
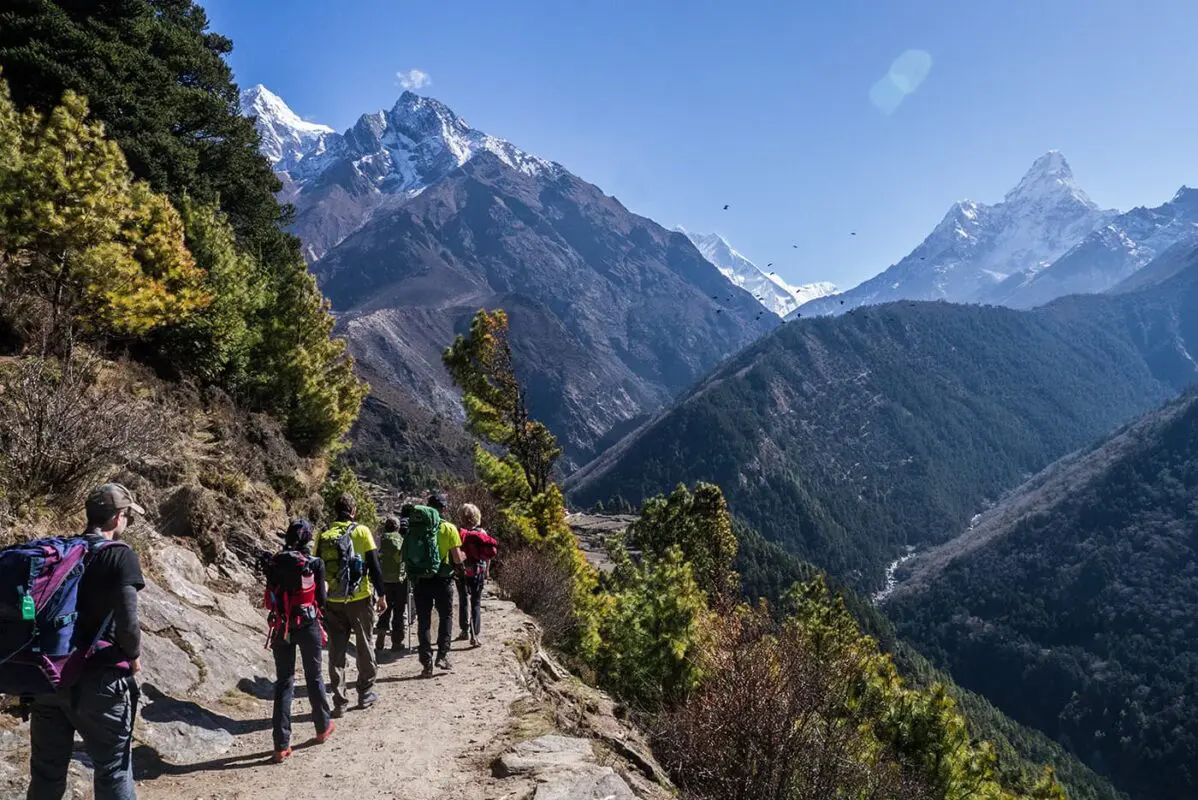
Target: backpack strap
92,549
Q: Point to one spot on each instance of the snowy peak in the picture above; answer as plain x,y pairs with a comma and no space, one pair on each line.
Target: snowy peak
770,290
976,247
1050,177
286,138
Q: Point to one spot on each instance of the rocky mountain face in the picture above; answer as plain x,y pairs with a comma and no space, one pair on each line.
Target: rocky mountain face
768,288
1070,603
1108,256
849,438
610,314
977,247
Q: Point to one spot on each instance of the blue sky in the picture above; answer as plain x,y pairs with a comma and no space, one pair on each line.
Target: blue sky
679,107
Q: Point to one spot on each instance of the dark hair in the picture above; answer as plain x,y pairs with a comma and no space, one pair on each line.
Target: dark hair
346,506
390,524
437,500
298,535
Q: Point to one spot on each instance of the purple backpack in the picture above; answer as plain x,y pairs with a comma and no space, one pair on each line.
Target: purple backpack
39,587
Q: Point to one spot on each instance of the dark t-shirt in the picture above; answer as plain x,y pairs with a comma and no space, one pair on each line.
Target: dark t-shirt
108,571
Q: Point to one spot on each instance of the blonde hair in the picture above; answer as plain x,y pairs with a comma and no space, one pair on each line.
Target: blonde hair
471,516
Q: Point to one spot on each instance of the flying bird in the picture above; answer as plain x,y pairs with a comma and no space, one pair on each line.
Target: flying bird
725,206
770,264
842,302
853,233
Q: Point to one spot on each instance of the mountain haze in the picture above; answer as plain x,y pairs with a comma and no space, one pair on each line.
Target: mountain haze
850,438
769,289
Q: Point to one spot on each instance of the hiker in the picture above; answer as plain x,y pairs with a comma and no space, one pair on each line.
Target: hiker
102,703
395,586
479,547
354,576
432,553
296,594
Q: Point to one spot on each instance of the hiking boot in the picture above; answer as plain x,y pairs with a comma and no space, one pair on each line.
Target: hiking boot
368,699
427,671
338,710
463,636
323,737
475,641
443,663
281,755
398,650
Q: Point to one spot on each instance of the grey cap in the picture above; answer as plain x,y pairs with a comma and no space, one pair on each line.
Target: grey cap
106,501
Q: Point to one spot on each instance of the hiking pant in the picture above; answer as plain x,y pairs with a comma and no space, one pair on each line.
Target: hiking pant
307,641
474,587
101,707
344,620
463,586
392,618
429,592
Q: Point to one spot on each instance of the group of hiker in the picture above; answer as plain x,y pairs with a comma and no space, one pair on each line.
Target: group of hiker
70,640
343,586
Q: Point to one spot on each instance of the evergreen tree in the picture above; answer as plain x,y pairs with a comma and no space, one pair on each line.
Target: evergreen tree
700,525
100,251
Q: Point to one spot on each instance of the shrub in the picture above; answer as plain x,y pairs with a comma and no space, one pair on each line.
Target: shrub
540,586
60,431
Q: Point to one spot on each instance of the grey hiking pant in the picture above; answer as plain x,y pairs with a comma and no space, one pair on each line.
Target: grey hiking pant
343,620
101,706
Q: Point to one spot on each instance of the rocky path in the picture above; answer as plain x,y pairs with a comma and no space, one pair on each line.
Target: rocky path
425,740
507,723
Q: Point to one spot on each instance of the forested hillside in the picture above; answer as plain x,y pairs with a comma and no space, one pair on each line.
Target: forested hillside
847,439
1073,606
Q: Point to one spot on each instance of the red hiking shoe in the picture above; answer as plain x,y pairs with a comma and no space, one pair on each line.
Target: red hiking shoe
321,738
281,755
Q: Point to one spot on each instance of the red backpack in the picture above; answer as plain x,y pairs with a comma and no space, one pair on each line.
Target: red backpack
290,595
479,546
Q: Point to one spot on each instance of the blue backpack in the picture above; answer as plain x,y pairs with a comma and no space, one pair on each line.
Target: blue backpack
39,588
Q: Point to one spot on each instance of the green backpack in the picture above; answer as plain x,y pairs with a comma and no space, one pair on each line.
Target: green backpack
391,557
422,555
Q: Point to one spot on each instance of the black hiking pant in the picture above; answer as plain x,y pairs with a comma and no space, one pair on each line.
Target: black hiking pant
392,618
474,589
307,641
101,707
430,592
463,585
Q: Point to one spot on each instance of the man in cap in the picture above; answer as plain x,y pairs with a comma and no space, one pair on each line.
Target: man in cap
102,704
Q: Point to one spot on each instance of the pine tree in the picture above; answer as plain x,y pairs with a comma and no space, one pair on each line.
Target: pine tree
103,253
701,527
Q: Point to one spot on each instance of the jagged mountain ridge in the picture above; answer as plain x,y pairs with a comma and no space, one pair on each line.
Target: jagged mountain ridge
1109,255
977,246
611,314
770,290
337,181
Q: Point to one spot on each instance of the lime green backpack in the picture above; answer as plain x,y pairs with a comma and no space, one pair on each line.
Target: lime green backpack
391,557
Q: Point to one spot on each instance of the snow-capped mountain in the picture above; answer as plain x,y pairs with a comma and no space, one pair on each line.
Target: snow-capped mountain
337,181
286,139
1107,256
769,289
977,246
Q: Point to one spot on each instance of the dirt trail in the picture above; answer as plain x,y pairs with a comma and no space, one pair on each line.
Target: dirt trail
426,739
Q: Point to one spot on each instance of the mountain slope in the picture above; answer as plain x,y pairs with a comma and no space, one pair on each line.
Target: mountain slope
771,291
1107,256
976,246
412,220
611,314
1072,605
847,439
